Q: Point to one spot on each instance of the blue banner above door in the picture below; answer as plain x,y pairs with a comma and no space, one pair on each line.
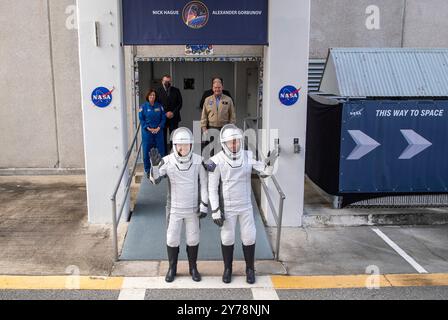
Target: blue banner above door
213,22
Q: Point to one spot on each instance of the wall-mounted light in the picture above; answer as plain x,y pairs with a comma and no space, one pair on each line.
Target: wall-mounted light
296,145
277,145
97,33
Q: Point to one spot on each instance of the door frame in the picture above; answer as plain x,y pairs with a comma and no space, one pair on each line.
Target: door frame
172,60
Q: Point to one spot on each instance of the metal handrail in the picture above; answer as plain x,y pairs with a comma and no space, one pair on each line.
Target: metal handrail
278,217
115,220
245,120
249,118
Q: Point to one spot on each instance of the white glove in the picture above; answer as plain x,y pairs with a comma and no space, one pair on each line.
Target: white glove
218,218
155,174
271,158
154,157
269,171
203,211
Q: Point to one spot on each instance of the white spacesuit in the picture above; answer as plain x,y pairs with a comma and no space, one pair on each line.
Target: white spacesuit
230,195
186,175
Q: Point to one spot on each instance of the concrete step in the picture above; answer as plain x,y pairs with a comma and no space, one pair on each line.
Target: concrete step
375,217
138,178
319,212
206,268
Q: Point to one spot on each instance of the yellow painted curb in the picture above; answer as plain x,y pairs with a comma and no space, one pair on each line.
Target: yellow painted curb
360,281
418,280
279,282
60,283
328,282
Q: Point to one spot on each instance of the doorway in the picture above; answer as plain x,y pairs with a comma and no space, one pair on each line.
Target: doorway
243,79
241,76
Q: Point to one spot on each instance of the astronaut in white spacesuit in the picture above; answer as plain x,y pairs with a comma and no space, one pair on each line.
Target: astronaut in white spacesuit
230,196
187,175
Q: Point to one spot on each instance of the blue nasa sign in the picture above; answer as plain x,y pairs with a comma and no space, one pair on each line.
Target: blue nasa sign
102,97
289,95
394,147
215,22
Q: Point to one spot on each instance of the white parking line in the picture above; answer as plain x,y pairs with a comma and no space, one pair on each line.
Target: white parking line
132,294
187,283
400,251
265,294
134,288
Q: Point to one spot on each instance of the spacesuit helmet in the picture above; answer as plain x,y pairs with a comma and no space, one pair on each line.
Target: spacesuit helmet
183,144
232,141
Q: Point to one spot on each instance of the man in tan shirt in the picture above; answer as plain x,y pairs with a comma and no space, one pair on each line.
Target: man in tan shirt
218,109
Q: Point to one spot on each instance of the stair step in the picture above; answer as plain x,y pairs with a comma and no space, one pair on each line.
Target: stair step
377,217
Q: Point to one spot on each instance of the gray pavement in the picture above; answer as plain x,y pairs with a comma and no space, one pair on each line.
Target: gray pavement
44,231
58,295
44,228
199,294
410,293
428,245
349,250
406,293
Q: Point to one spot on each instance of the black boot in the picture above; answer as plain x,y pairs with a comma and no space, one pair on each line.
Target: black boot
249,256
227,255
173,253
192,253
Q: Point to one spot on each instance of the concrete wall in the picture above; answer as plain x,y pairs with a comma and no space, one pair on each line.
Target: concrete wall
402,23
286,63
342,23
64,40
40,111
105,129
426,24
28,123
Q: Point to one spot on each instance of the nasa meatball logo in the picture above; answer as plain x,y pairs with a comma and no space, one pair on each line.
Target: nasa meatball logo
289,95
102,97
195,14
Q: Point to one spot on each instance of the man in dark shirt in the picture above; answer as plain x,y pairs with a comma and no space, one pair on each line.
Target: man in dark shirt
171,99
209,93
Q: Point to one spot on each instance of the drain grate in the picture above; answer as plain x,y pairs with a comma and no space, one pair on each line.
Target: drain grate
406,201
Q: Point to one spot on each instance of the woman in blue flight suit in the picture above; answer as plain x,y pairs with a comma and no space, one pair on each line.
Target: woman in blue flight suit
152,119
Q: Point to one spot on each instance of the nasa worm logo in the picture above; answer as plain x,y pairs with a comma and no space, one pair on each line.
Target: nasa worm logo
289,95
102,97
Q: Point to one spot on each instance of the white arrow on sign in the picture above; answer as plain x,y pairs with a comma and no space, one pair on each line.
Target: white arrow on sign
416,144
364,144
